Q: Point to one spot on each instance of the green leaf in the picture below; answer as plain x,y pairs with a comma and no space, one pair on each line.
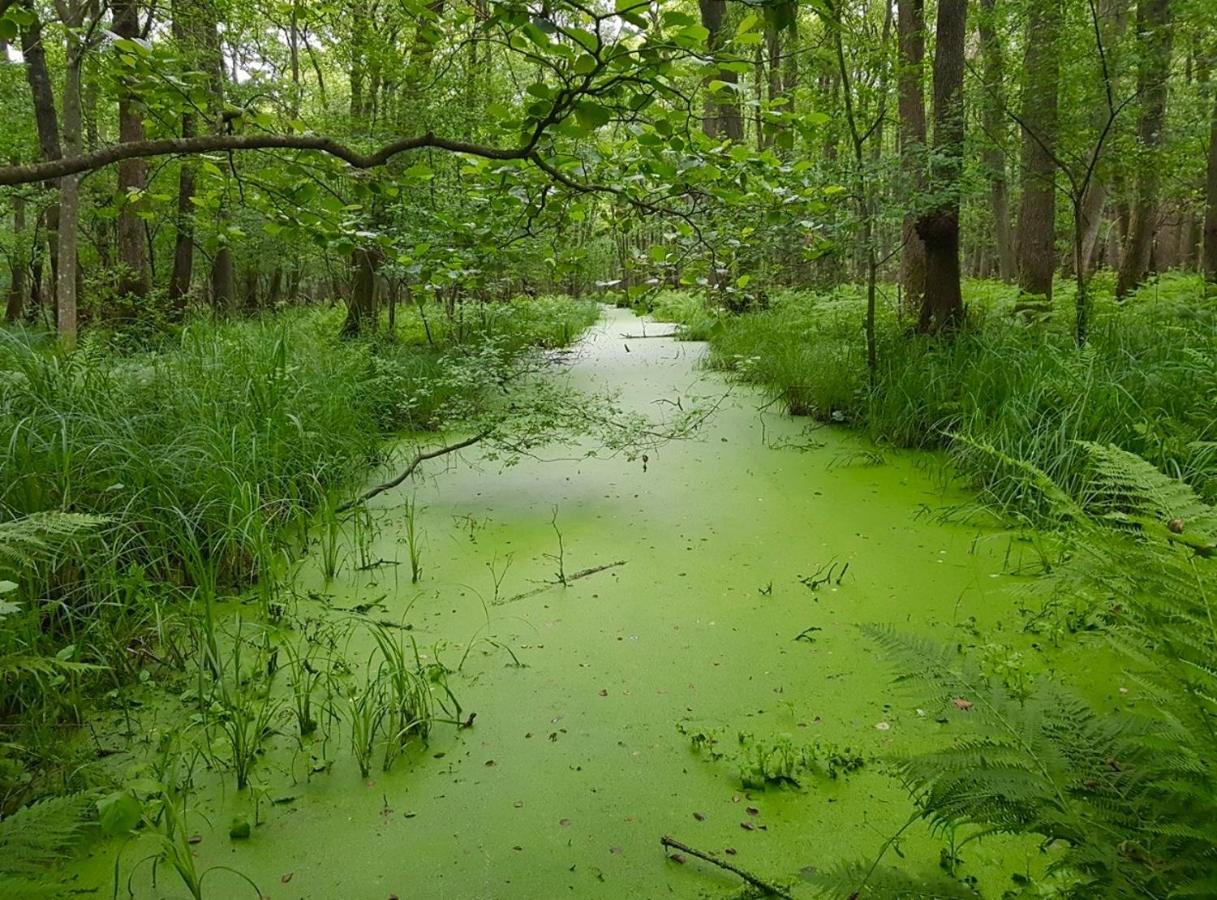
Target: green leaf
698,33
119,813
419,172
585,64
592,115
7,587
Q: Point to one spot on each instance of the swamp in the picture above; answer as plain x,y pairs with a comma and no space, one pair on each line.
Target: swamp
626,448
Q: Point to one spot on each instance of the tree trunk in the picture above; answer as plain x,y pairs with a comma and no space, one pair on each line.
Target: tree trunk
722,112
942,308
223,280
1153,70
910,81
185,33
361,310
132,173
18,263
1037,212
46,121
1209,263
993,153
69,186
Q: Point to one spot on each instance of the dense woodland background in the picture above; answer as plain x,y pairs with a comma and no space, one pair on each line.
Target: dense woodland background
778,143
257,250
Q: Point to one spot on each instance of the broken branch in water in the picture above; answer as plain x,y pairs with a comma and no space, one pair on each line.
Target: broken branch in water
756,881
419,458
582,573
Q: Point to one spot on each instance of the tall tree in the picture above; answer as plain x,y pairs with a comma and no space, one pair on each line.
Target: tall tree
722,112
132,173
1038,118
993,153
938,227
1209,263
186,34
910,87
17,262
1113,21
72,13
1153,71
46,122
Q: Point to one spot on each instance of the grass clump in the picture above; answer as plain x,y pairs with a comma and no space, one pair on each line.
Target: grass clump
1145,382
196,466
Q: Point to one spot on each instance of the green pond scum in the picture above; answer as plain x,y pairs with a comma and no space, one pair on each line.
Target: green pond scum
513,681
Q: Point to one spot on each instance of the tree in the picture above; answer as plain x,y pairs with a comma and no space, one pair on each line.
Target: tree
938,227
132,173
910,86
722,116
1210,191
1153,71
993,154
1037,209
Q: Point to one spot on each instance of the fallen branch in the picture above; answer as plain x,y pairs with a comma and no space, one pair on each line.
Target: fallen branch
582,573
756,881
419,458
643,337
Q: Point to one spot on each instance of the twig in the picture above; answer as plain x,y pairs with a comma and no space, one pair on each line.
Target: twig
642,337
582,573
754,880
419,458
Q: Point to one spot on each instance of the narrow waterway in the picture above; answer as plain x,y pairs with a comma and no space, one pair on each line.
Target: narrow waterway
579,759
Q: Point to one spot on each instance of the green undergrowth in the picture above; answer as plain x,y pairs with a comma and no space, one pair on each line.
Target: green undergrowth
1145,382
192,470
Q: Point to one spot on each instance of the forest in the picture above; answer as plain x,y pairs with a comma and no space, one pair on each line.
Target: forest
608,448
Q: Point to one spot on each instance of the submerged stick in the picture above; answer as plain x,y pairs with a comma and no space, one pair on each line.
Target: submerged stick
754,880
582,573
419,458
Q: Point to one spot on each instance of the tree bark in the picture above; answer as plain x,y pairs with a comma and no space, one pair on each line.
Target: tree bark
993,152
185,33
361,311
132,173
722,113
1153,70
942,308
69,185
46,122
910,87
18,264
1036,242
1209,263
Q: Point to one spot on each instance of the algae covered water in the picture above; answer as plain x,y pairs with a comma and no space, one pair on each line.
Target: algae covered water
730,571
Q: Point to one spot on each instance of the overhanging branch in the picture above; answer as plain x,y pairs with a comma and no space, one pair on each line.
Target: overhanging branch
210,143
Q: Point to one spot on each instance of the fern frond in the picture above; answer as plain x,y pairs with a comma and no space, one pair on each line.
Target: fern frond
29,539
39,836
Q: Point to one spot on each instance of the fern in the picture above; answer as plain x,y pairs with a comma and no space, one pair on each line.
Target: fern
1131,796
34,839
30,539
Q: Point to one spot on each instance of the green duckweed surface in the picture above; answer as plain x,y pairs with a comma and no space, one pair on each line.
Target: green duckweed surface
576,762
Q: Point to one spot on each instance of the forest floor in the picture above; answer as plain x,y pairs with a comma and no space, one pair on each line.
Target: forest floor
725,621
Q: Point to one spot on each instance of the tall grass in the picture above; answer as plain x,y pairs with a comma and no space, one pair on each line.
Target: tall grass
206,457
1146,381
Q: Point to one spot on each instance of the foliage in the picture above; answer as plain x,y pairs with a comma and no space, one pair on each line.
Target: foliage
1123,799
1145,382
35,838
193,467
